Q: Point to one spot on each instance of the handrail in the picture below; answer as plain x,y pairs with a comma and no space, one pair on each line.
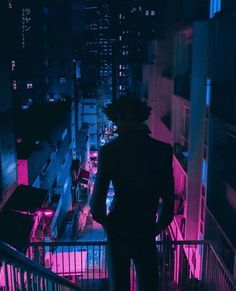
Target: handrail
229,275
9,255
103,243
189,247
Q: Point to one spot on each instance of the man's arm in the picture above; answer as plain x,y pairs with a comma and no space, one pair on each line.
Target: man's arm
98,199
166,214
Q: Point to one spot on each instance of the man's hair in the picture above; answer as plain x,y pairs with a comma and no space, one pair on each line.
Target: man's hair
127,108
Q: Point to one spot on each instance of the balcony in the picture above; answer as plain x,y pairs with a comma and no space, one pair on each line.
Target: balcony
183,265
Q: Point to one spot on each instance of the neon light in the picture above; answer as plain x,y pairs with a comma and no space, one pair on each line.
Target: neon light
204,172
208,92
215,6
22,167
48,212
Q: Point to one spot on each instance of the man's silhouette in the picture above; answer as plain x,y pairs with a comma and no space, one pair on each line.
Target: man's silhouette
140,169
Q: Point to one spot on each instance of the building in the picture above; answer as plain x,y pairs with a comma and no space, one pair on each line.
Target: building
41,51
8,164
44,158
190,89
134,24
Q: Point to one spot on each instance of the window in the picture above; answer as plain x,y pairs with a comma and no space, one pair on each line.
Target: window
152,12
10,4
208,92
215,6
14,85
147,13
13,65
62,80
29,85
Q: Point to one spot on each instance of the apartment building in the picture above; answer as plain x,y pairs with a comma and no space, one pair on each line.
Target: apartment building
44,158
188,80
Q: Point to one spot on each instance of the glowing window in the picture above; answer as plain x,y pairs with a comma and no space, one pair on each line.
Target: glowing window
147,13
14,85
13,65
215,6
29,85
152,12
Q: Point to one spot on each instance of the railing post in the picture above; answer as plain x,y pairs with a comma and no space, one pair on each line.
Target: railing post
6,275
14,278
22,280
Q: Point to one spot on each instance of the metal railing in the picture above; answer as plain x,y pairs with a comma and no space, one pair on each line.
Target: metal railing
183,265
17,272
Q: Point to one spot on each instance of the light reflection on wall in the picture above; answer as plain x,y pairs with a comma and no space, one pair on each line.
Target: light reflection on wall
23,178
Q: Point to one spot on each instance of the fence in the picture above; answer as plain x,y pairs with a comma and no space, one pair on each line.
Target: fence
183,265
17,272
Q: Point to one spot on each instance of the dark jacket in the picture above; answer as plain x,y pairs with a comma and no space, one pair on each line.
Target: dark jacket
140,169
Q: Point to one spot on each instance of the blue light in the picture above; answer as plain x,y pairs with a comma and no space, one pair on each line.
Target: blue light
215,6
208,92
204,172
77,70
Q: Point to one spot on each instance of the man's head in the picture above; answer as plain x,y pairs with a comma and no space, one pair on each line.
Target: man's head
127,109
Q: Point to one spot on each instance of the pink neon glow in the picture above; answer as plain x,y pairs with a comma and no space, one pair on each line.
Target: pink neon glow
93,155
48,212
22,167
67,262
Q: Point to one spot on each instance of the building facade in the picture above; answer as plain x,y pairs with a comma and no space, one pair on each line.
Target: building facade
189,87
41,51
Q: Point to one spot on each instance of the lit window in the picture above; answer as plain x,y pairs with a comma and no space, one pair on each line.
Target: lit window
140,8
120,73
120,66
29,85
120,16
146,12
13,65
62,80
14,85
120,87
152,12
120,37
215,6
10,4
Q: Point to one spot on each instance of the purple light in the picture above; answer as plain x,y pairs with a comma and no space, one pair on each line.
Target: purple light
48,212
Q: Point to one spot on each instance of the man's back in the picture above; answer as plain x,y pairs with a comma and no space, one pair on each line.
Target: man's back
136,164
140,169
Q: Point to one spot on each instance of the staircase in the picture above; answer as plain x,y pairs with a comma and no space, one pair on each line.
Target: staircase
17,272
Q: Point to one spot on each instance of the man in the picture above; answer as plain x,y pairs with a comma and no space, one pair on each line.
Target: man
140,169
